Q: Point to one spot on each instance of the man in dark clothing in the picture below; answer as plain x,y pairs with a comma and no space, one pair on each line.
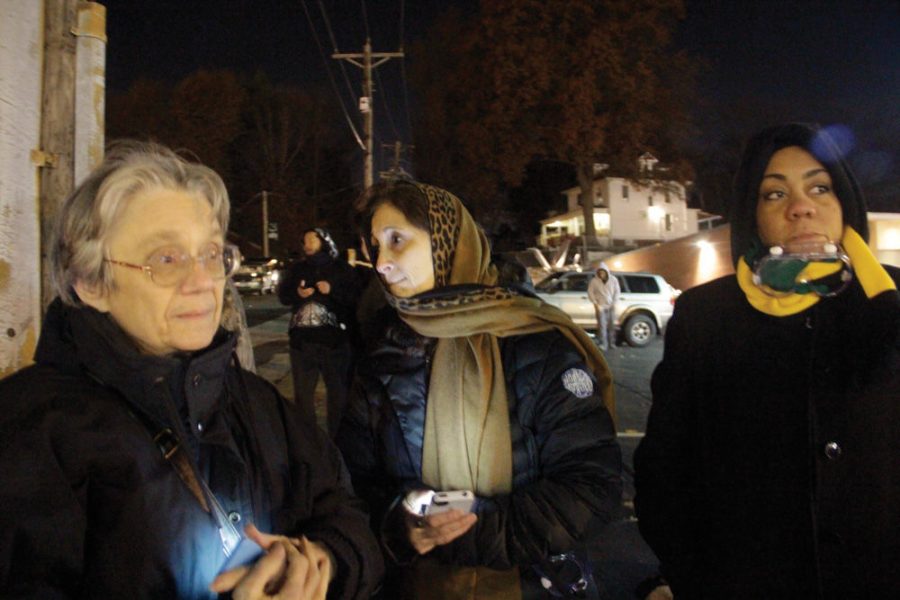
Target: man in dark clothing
321,290
771,463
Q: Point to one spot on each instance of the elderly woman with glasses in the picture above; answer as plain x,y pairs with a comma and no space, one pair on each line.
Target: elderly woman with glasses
138,458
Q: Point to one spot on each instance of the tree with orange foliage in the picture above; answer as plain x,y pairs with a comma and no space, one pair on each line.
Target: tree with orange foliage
581,81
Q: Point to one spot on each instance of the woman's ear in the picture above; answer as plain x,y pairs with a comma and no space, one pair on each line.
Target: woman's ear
94,295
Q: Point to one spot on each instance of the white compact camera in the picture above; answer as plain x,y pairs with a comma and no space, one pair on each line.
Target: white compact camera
428,502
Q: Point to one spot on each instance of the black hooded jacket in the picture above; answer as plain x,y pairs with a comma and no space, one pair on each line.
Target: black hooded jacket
90,508
324,265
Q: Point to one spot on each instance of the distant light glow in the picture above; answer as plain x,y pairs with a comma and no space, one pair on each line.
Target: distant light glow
617,264
889,238
706,262
655,213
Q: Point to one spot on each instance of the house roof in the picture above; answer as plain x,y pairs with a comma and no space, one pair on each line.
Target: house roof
572,214
601,178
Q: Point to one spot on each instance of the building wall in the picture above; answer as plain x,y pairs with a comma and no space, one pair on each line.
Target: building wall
37,167
21,63
630,220
884,237
645,214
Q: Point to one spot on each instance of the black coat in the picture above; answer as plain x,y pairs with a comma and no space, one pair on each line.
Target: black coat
771,462
566,461
341,300
90,508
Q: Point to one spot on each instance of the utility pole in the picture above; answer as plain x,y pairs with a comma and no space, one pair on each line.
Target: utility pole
396,169
265,223
366,105
57,150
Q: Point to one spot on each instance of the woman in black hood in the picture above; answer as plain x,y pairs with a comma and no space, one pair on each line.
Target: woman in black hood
321,290
770,467
757,153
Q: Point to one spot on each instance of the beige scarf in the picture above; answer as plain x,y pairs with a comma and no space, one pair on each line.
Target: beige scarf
467,442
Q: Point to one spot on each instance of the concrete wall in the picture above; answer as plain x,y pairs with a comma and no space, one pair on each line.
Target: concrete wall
21,63
27,120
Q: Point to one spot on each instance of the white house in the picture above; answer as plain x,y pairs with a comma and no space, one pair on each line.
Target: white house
627,213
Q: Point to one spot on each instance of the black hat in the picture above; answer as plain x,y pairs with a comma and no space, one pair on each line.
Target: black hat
328,245
757,153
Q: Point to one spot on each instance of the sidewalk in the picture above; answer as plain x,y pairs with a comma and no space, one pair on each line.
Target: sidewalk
273,361
270,348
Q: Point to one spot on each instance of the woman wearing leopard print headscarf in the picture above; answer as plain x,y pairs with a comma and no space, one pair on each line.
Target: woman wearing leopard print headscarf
476,385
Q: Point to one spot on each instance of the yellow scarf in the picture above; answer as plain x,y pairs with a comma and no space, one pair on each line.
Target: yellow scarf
871,275
467,443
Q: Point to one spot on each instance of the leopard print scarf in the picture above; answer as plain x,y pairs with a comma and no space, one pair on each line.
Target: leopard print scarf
467,312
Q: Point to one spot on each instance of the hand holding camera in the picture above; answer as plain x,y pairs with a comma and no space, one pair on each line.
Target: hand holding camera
437,518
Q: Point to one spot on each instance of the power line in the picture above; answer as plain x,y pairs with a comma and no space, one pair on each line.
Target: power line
403,70
335,48
387,108
331,78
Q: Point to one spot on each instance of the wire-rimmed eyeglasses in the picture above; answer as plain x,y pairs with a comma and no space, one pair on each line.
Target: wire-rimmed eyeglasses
171,265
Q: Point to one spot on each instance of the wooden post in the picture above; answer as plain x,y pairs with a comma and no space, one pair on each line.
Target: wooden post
57,122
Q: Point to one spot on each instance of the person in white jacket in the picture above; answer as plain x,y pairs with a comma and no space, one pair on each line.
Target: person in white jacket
604,293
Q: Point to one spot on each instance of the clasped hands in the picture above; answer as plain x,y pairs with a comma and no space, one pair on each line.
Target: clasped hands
305,292
290,568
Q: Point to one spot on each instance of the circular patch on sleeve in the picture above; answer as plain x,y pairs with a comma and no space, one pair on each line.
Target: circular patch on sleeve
578,382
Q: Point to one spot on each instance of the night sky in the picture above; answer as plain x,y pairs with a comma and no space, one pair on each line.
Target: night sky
766,61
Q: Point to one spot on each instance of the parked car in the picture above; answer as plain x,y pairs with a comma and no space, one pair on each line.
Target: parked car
540,264
258,275
643,310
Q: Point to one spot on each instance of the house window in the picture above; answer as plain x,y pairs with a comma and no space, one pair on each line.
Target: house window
649,200
625,192
668,222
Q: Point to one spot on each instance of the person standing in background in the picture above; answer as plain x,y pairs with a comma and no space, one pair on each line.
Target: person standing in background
321,289
604,293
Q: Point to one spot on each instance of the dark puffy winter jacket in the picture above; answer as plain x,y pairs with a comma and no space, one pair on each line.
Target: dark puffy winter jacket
91,509
566,461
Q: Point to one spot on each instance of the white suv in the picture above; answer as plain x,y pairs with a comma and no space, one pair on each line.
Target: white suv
643,310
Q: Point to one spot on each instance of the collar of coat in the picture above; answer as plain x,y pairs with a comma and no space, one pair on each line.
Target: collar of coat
83,341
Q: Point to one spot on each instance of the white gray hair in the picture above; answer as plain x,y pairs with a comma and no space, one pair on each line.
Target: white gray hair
79,242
